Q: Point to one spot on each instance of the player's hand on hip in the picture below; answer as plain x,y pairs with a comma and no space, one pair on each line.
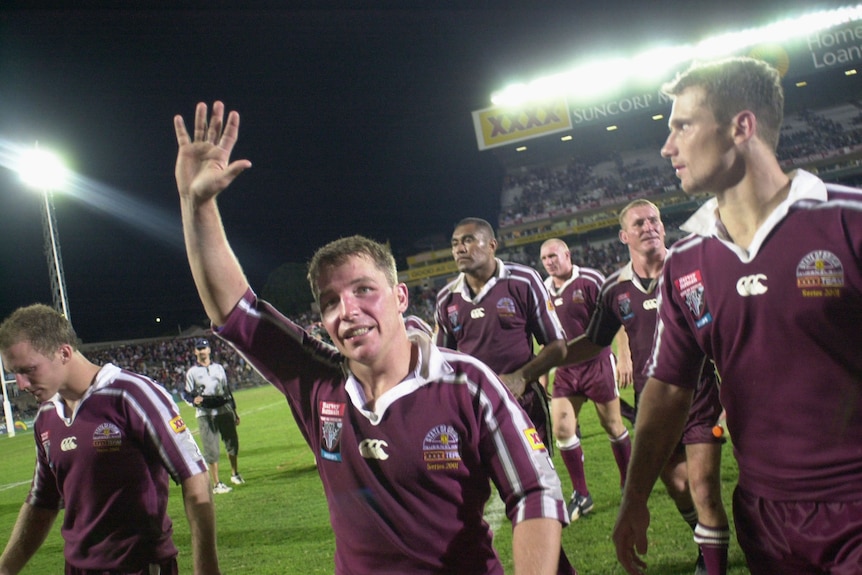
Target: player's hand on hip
203,166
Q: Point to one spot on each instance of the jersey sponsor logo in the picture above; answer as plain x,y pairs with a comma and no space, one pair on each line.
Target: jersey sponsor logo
69,443
751,285
452,313
331,426
558,301
506,307
651,304
534,439
373,449
820,274
107,437
690,287
441,448
177,424
477,313
624,306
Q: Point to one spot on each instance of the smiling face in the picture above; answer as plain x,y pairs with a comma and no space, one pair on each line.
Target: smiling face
474,250
43,376
700,149
361,310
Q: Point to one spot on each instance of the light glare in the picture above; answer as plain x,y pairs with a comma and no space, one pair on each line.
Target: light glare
602,75
42,170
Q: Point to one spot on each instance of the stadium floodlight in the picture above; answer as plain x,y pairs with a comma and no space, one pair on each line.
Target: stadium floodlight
599,76
45,172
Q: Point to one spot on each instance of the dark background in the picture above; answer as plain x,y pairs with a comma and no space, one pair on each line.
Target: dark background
357,120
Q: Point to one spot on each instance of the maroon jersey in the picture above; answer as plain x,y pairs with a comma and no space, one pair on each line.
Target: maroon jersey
782,323
498,324
407,482
625,301
108,466
575,301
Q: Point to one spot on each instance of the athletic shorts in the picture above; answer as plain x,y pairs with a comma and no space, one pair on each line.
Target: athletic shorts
222,425
166,567
593,379
704,414
798,537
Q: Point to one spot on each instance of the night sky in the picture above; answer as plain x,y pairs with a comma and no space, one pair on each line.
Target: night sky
356,120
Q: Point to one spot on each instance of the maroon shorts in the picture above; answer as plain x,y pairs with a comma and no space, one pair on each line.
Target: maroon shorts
798,537
166,567
593,379
704,413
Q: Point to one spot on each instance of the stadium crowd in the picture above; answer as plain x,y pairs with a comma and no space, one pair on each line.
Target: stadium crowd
576,186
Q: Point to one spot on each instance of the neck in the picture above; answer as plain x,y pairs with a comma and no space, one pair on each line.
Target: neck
80,376
745,207
648,265
479,278
379,378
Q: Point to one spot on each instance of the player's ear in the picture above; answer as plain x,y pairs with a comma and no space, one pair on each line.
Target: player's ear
402,293
744,125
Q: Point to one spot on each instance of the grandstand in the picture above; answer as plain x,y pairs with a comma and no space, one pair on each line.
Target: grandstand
571,183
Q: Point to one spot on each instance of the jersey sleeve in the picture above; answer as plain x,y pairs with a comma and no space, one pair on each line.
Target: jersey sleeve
443,337
604,323
154,418
43,490
520,465
676,357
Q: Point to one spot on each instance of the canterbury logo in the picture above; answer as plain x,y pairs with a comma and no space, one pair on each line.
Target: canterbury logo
69,443
373,449
651,304
477,313
751,285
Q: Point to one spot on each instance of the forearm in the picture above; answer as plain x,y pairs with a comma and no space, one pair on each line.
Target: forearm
548,358
662,412
536,546
28,534
201,516
581,349
216,271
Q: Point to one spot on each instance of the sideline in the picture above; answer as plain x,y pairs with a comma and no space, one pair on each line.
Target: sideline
14,485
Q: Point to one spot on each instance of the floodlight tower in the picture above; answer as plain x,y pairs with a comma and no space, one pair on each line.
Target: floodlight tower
43,171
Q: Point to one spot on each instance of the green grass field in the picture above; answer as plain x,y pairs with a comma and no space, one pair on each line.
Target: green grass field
277,523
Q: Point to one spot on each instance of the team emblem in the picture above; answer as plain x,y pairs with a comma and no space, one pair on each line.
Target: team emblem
578,296
506,306
331,425
441,448
820,273
452,312
624,306
690,287
107,437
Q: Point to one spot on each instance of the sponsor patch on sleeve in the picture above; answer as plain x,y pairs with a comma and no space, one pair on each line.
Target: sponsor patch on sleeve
534,440
178,425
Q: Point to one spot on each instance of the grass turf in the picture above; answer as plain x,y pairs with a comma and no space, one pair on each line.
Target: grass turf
278,522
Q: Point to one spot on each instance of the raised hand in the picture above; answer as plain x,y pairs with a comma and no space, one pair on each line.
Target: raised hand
203,167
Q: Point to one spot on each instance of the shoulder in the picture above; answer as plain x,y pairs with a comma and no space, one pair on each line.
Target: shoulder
590,275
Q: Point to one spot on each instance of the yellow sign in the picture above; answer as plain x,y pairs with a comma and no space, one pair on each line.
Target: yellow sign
500,126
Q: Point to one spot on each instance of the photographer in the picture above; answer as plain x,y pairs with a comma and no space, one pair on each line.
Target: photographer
208,391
